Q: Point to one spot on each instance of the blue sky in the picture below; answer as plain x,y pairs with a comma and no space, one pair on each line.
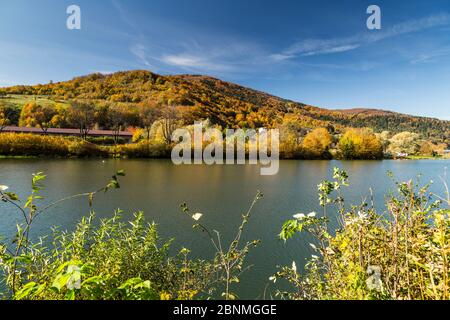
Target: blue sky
317,52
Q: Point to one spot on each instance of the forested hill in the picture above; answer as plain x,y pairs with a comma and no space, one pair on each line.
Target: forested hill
224,103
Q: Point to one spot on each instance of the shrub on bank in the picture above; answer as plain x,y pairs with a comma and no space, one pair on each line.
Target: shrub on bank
113,260
400,254
82,148
13,144
143,149
107,141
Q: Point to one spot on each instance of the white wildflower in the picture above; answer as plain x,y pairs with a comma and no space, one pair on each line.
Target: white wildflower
294,266
4,188
362,215
197,216
312,215
299,216
273,279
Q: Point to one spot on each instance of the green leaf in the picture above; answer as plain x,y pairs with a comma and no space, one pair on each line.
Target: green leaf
130,283
289,228
70,295
61,281
25,291
12,196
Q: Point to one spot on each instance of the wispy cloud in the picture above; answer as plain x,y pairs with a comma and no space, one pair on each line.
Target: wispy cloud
431,56
194,62
200,52
139,50
125,17
312,47
206,55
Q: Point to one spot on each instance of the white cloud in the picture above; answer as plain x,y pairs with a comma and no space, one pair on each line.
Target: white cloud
184,61
194,62
217,56
333,49
311,47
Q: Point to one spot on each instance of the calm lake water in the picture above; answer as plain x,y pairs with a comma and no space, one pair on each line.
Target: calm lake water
221,193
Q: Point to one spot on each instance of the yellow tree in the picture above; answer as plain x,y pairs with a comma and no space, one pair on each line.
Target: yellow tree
360,144
5,117
290,134
60,119
427,148
35,115
317,144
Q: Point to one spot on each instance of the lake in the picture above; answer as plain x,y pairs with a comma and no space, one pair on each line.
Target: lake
221,193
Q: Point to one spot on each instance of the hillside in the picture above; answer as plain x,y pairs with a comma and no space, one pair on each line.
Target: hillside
224,103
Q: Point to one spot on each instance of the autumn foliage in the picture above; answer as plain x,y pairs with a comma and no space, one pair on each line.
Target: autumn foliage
137,100
360,144
317,144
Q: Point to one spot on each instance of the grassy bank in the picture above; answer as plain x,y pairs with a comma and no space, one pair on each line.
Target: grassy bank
439,157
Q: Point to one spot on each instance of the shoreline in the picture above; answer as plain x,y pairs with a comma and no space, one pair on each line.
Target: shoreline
73,157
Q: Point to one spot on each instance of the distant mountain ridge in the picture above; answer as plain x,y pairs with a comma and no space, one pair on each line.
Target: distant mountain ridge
225,103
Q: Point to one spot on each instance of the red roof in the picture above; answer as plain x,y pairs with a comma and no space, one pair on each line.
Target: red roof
64,131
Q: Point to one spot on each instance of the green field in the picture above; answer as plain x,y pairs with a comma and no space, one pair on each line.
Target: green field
18,101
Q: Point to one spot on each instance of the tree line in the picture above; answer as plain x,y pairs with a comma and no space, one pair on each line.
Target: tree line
300,137
87,116
225,104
